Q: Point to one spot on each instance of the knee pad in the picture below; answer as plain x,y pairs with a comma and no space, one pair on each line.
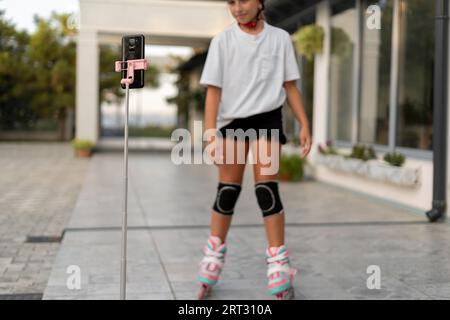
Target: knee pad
227,196
268,197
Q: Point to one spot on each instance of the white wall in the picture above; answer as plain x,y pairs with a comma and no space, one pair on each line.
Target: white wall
183,21
87,108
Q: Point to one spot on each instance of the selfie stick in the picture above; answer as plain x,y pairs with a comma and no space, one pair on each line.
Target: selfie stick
140,64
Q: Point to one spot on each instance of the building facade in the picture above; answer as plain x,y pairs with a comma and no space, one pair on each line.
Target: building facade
371,85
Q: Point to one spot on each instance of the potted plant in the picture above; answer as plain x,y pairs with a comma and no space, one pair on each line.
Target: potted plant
291,168
309,41
363,161
356,160
394,158
83,148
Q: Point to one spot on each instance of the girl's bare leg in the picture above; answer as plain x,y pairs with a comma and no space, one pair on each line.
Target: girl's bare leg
274,224
228,172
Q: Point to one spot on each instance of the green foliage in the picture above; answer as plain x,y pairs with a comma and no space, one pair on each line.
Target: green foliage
110,90
394,158
328,149
38,73
371,154
37,77
186,98
309,40
15,76
182,100
362,152
292,166
80,144
341,44
52,56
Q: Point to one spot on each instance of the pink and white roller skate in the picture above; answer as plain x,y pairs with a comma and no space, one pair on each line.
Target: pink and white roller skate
211,265
279,273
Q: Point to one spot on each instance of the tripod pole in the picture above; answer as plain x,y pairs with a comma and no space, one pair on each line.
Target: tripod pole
123,267
131,66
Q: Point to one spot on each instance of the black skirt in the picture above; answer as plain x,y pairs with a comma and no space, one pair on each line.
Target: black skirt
265,120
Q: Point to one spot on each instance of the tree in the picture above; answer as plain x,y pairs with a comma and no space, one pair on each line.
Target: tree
187,97
52,54
38,73
15,76
182,99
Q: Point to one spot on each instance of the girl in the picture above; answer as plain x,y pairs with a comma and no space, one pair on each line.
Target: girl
249,71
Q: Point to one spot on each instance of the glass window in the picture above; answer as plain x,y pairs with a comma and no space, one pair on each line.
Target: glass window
416,60
376,71
308,89
290,123
343,24
306,86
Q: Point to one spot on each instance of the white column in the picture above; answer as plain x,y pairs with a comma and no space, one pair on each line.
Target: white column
369,85
87,106
321,83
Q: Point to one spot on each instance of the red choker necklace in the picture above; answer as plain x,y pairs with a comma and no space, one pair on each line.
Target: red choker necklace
251,24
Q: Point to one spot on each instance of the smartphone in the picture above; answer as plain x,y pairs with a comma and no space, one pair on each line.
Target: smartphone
133,47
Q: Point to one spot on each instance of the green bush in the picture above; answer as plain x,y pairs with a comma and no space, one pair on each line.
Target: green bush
362,152
291,167
80,144
371,153
309,41
394,158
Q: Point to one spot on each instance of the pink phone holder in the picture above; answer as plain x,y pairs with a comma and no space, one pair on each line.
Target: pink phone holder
131,65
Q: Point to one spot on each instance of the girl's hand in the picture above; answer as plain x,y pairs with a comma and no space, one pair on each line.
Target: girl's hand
214,154
305,141
211,146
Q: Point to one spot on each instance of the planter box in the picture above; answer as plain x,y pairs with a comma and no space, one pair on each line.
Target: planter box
373,169
342,164
382,171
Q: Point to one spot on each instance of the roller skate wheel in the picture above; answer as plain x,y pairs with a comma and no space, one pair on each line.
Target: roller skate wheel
204,291
286,295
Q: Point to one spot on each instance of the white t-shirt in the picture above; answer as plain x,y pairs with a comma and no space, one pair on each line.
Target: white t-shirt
250,69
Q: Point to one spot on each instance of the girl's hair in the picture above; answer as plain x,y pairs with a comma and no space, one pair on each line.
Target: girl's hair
261,14
262,3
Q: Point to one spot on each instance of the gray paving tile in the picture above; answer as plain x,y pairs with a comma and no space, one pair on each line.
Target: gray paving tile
332,238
